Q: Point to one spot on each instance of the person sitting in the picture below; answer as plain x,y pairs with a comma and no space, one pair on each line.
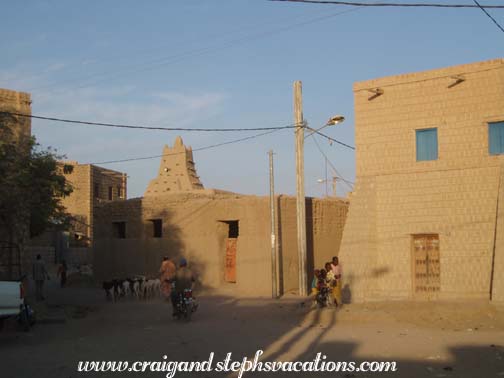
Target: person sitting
183,279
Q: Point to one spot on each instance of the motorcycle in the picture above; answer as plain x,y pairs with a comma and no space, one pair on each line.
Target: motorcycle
186,305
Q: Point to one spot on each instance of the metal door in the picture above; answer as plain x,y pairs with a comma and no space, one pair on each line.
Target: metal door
426,267
230,272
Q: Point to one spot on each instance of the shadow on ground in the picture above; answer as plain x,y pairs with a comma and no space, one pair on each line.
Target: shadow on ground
286,330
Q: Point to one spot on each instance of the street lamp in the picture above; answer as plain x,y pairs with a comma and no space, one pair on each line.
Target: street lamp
300,189
333,121
326,181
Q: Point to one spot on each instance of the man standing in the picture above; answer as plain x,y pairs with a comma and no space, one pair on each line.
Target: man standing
166,274
39,275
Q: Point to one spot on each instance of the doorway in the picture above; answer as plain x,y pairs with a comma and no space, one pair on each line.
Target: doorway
426,266
233,231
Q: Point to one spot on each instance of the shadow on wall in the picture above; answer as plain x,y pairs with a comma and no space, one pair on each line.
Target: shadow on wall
310,253
280,262
136,247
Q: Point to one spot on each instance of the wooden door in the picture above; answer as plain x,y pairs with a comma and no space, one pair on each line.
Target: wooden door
230,272
426,266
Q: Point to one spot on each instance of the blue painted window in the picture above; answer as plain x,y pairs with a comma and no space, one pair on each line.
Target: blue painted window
496,138
426,144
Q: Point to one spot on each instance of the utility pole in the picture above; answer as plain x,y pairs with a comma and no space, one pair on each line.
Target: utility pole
334,182
300,190
274,290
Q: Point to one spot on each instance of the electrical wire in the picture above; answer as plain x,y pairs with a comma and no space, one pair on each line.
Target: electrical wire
158,128
348,183
183,152
402,5
489,15
332,140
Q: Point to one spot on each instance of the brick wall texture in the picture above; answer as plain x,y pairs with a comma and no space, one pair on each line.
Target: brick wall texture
455,196
13,129
91,187
16,102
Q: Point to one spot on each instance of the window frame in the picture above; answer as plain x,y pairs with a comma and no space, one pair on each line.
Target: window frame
489,125
419,131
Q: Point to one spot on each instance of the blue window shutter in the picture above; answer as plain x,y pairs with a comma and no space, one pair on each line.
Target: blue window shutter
426,144
496,138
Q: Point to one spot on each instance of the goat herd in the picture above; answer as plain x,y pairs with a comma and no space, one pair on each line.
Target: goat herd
138,288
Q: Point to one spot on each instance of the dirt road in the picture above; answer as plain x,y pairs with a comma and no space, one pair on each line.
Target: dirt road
426,340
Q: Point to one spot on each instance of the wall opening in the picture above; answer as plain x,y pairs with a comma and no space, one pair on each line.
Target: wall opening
96,190
157,228
119,230
233,231
110,193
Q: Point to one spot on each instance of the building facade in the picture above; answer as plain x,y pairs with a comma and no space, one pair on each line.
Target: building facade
226,238
92,186
426,219
14,130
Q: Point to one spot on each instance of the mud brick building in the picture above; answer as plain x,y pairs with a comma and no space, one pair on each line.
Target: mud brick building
177,171
92,186
17,130
426,219
225,236
14,127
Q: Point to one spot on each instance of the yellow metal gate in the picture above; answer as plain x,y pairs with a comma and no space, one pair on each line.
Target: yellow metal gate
426,266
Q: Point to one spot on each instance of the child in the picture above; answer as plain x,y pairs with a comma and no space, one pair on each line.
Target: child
62,272
314,282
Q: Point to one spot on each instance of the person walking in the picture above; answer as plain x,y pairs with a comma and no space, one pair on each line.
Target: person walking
39,275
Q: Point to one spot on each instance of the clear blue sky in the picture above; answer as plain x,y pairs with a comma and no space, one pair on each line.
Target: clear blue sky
226,63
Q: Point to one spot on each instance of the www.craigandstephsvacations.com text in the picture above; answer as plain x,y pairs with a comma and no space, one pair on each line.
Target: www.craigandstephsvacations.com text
318,364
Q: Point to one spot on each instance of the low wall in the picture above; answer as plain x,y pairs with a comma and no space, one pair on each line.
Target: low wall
196,227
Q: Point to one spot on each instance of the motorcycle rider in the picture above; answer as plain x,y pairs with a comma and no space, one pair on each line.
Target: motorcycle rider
183,279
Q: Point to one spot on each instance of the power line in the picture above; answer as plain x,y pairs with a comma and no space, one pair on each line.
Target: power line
332,140
183,152
489,15
348,183
146,127
402,5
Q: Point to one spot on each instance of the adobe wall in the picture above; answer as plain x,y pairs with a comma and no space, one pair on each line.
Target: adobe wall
13,129
16,102
454,196
193,228
90,188
79,203
498,252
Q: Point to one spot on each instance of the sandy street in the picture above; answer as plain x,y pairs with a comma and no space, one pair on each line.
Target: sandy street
433,340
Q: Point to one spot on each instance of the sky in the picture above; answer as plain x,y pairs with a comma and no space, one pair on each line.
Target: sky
220,64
